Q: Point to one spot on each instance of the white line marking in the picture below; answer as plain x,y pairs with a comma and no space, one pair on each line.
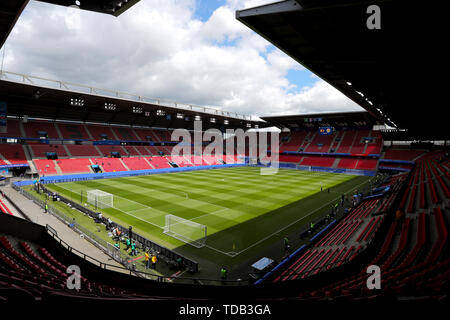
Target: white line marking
285,227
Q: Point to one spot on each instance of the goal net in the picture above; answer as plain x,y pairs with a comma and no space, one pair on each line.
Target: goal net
252,161
184,230
100,199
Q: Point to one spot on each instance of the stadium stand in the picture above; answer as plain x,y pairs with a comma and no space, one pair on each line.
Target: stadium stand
69,166
73,131
106,150
131,151
136,163
34,128
45,167
124,133
13,153
367,164
13,129
348,237
84,150
346,142
41,150
99,132
109,164
394,153
358,145
347,163
146,135
295,141
318,161
320,143
159,162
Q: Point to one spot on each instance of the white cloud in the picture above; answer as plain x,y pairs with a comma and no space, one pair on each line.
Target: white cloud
158,49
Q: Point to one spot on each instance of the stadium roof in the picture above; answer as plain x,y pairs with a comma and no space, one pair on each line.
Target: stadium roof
336,120
11,10
113,7
41,98
386,71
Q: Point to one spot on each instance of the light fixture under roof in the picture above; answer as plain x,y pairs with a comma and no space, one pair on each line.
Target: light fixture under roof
110,106
77,102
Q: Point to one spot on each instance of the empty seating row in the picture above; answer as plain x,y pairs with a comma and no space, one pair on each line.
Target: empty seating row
41,150
45,166
109,164
14,153
318,161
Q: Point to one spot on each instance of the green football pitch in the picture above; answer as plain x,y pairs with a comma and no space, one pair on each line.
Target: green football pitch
242,210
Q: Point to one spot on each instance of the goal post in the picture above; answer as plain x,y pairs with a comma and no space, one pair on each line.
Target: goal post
305,168
188,231
252,161
100,199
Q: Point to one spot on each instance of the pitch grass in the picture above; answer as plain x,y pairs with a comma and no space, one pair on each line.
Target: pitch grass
243,210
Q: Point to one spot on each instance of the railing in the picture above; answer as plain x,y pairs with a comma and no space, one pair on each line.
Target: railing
166,255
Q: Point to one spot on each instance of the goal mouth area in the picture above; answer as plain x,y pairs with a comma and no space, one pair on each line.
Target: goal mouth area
100,199
187,231
194,243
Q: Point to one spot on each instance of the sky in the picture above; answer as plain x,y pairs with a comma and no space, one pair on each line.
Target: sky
188,51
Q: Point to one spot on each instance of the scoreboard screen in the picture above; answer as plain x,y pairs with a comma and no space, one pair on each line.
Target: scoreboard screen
326,130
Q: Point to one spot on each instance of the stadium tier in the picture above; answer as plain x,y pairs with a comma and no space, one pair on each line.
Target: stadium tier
13,129
346,142
109,164
70,166
131,151
146,135
181,161
158,162
40,129
41,150
347,163
137,163
83,150
107,150
402,154
320,143
36,270
73,131
98,132
341,141
125,134
318,161
13,153
45,167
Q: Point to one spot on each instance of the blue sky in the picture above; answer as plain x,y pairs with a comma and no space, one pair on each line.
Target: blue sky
299,77
188,51
205,8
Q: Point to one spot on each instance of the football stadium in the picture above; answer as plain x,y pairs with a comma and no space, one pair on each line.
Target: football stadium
108,196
